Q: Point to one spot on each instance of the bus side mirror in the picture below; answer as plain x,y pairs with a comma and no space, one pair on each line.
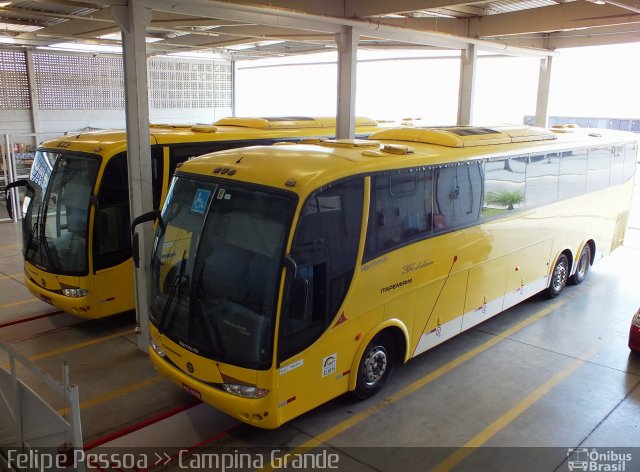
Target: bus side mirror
9,195
152,215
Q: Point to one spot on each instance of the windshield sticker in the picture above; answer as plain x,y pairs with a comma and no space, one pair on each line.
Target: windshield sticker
221,194
227,196
295,365
200,201
329,364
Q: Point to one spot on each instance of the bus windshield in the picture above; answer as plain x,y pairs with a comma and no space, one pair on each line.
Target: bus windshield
56,217
216,269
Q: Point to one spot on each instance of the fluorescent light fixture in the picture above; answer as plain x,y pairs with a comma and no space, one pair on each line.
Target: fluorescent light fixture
196,55
269,43
4,4
7,40
118,37
85,47
241,47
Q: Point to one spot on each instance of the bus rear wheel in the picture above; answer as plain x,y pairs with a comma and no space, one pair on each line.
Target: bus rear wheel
582,268
378,360
559,277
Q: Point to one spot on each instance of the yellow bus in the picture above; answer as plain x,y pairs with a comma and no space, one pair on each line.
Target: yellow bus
77,250
276,290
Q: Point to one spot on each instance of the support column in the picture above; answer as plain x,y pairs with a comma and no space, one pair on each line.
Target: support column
33,95
132,20
542,102
347,65
468,59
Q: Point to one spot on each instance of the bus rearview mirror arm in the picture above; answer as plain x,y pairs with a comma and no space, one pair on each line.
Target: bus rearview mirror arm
8,194
291,265
152,215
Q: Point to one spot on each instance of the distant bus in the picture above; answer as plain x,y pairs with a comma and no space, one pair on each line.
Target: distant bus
622,124
76,243
274,290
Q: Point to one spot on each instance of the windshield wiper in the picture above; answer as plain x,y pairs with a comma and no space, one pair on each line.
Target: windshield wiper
47,250
34,228
177,282
207,326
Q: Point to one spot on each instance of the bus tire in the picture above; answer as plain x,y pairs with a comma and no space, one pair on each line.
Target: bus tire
559,277
375,367
582,267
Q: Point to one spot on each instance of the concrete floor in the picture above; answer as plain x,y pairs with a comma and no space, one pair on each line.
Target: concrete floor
514,393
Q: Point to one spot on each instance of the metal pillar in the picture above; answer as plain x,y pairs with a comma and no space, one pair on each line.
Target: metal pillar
468,59
10,175
132,20
542,101
347,65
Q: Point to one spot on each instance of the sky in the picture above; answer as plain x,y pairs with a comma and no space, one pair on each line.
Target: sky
597,82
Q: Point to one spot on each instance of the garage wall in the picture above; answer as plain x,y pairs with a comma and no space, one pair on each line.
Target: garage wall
76,91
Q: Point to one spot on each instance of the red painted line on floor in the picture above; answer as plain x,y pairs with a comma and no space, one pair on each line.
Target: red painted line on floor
142,424
30,318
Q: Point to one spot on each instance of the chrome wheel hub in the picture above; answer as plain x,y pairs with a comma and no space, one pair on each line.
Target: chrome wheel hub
375,366
559,277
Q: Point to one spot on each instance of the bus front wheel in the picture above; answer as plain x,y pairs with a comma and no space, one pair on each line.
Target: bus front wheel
375,366
559,277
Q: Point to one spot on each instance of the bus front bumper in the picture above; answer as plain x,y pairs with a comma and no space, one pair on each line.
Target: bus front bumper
78,306
259,412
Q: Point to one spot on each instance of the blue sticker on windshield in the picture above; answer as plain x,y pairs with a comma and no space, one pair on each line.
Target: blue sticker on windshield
200,201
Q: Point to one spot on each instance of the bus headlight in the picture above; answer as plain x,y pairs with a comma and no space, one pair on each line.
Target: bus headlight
74,292
157,349
245,391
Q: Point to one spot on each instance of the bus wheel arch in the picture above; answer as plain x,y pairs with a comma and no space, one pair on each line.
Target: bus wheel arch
584,261
559,274
376,359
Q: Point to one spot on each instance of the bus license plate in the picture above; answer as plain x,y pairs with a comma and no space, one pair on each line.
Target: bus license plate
46,299
192,391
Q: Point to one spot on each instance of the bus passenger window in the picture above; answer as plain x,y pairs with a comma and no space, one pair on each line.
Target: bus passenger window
573,173
542,179
630,157
457,199
400,210
599,169
504,186
617,165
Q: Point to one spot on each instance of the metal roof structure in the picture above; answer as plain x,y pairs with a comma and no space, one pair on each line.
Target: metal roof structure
241,30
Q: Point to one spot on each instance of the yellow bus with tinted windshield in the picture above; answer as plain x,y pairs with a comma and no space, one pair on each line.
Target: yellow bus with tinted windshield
276,289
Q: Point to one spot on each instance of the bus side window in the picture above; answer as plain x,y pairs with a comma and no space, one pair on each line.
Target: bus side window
157,174
400,210
573,173
542,179
457,201
630,157
325,250
504,182
599,169
111,242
